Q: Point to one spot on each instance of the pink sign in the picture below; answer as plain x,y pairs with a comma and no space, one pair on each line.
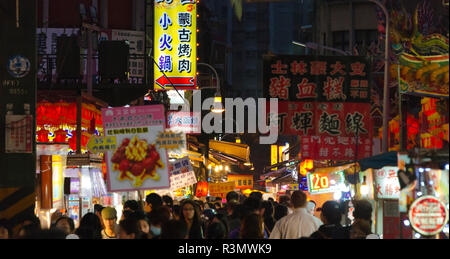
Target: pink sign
136,163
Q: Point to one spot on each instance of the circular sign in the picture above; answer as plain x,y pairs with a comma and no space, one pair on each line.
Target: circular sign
428,215
18,66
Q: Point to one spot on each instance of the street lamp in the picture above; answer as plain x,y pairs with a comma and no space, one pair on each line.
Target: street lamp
386,80
217,107
315,46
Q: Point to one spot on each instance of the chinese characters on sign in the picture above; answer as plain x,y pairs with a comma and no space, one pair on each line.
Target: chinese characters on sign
181,174
324,79
175,44
387,185
428,215
241,181
137,163
328,130
221,189
19,136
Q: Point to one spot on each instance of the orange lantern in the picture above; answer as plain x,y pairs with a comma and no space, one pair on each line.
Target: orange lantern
202,189
306,165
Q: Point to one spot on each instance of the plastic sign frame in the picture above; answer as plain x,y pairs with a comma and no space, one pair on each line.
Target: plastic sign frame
414,209
175,44
319,183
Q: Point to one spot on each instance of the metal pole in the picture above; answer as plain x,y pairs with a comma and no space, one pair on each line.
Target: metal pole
215,72
386,107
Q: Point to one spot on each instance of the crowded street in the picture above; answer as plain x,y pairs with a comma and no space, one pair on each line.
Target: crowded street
224,120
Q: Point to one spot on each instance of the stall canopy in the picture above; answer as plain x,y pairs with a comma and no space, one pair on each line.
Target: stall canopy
379,161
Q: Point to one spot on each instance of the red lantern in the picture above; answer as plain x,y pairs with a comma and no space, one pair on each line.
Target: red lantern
60,136
42,135
202,189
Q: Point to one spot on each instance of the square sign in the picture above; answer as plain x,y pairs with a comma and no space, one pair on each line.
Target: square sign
175,44
324,182
136,163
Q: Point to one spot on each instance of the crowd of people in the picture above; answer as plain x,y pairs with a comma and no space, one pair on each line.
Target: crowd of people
241,217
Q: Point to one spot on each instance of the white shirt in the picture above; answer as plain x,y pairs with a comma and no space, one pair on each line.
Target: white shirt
296,225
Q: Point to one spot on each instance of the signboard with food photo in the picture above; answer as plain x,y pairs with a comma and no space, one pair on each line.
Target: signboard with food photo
137,162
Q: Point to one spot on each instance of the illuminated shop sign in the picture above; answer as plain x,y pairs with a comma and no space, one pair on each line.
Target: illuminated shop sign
175,44
324,182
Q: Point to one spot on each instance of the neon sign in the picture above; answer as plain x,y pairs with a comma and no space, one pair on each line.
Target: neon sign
324,182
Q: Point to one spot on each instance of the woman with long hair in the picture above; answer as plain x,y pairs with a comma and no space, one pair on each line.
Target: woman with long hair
190,215
252,227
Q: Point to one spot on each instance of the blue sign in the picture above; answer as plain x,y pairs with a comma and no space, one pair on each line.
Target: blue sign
18,66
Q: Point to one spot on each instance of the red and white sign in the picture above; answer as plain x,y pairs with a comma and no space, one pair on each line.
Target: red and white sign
387,185
19,134
428,215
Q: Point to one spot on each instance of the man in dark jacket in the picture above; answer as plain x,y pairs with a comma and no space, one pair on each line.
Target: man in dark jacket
331,217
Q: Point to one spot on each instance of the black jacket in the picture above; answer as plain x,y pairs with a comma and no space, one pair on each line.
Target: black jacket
329,231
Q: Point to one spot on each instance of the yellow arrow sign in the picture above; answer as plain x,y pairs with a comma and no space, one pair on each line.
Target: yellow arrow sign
101,144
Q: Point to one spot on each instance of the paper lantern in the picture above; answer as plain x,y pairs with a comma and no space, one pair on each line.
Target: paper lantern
202,189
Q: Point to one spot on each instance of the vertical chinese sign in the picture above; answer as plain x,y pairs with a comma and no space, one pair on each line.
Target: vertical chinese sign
175,44
326,100
137,162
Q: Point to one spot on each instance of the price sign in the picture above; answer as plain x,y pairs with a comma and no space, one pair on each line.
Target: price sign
324,182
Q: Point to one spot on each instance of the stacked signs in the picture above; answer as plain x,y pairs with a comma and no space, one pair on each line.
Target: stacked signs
326,101
175,44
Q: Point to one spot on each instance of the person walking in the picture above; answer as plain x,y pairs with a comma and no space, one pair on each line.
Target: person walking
331,216
269,220
190,214
111,229
363,220
252,227
298,224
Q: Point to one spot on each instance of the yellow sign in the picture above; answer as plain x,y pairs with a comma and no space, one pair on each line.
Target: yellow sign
101,144
170,140
241,181
221,189
175,44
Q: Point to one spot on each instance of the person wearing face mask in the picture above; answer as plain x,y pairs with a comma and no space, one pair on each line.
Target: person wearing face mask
157,219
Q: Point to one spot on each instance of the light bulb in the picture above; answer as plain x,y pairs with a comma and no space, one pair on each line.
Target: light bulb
406,222
421,170
364,189
337,195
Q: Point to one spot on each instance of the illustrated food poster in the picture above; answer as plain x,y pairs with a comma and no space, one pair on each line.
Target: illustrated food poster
137,163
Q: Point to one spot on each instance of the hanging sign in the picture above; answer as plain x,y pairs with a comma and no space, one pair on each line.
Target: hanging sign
317,78
221,189
387,185
101,144
175,44
19,136
182,174
137,163
324,182
428,215
186,122
241,181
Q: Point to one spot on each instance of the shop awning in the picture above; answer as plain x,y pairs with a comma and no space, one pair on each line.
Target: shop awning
379,161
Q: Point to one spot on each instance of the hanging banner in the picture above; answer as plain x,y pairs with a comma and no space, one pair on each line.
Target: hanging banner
221,189
428,215
317,78
387,185
242,182
137,163
175,44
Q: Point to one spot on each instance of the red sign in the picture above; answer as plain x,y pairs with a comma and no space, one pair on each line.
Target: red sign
428,215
